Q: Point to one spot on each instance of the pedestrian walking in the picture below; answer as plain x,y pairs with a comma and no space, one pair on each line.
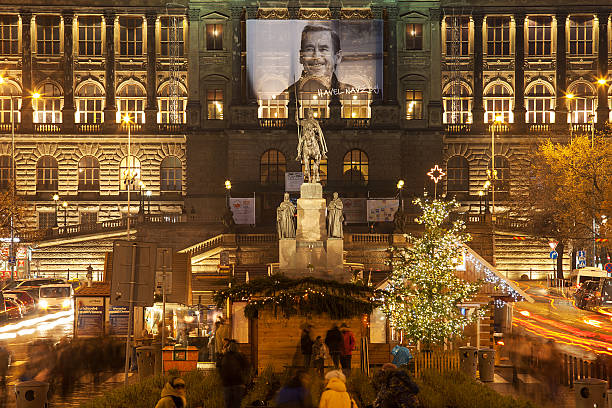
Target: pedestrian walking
234,372
319,354
295,393
348,345
222,331
395,388
173,394
335,394
306,345
334,342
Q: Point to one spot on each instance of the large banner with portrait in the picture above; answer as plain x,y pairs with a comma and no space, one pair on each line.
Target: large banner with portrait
343,57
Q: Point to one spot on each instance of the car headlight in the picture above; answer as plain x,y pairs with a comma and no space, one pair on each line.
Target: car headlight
43,304
66,303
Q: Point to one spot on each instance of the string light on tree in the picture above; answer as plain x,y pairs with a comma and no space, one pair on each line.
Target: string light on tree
436,174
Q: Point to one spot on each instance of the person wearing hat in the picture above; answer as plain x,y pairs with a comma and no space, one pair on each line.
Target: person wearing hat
306,344
173,394
335,394
348,346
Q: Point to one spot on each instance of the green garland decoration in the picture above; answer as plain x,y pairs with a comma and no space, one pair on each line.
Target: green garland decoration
304,296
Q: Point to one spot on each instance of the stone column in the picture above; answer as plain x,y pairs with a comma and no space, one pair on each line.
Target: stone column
110,105
434,106
68,110
194,107
392,82
236,15
478,108
603,111
377,98
561,74
519,72
26,72
335,107
151,109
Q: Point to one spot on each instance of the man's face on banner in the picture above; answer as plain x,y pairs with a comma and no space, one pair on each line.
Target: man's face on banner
317,55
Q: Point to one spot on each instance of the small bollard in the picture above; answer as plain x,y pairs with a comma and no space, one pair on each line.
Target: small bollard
486,364
467,360
31,394
158,358
590,393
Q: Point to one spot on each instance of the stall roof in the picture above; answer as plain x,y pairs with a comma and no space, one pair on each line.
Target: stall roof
96,289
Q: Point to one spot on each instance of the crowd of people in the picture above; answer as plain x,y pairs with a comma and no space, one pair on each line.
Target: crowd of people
339,344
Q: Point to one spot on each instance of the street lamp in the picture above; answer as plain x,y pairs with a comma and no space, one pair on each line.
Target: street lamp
141,186
128,177
149,192
55,200
228,187
480,194
498,120
65,206
400,187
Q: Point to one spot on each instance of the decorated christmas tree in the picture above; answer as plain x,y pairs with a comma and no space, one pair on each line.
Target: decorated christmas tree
424,293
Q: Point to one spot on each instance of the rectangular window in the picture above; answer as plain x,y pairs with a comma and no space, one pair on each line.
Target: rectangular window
90,36
275,108
581,36
47,219
88,217
89,110
48,35
214,103
130,36
5,109
414,104
214,37
9,35
498,35
310,101
171,41
539,35
171,110
356,106
457,36
414,36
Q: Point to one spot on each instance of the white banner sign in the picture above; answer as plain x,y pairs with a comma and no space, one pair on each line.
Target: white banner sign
293,180
244,210
354,210
382,210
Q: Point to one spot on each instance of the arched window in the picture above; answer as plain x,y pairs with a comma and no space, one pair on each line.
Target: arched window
9,92
540,100
90,104
171,174
322,171
457,175
502,168
172,101
131,101
457,104
272,167
498,103
89,174
582,104
48,108
46,174
6,172
355,167
129,172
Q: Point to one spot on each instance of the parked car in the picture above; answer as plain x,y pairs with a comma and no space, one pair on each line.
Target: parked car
594,294
25,298
55,297
32,285
13,309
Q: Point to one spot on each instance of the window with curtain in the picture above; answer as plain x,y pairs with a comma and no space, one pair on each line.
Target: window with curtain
90,104
171,174
48,108
498,36
502,168
130,36
582,105
498,103
457,36
539,103
457,175
414,36
581,35
9,35
214,37
414,104
355,167
48,35
539,35
46,174
214,104
172,104
89,174
9,93
6,172
129,173
272,168
172,42
457,104
90,35
131,100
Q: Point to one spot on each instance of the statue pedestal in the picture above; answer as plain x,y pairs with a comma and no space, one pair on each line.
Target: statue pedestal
311,213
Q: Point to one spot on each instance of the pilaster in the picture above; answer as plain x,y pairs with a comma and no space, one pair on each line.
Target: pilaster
391,88
561,74
236,15
110,107
68,110
151,109
26,71
478,108
603,111
434,107
519,72
194,108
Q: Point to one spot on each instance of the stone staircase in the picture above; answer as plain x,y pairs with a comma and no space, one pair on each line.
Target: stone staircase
529,257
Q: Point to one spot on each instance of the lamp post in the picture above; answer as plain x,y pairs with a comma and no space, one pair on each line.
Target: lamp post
498,120
149,201
570,97
55,200
480,194
141,187
128,176
228,187
400,187
65,206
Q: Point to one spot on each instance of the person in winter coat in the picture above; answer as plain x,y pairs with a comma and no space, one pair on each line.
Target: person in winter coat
173,394
306,345
295,393
319,354
334,342
234,371
348,345
395,388
335,394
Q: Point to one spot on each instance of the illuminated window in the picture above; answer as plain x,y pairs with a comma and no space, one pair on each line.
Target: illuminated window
214,37
131,101
90,104
6,172
457,36
172,101
355,167
8,93
9,35
457,174
414,104
89,174
88,217
581,35
274,108
129,172
171,174
272,167
46,174
498,103
130,36
356,106
310,101
172,41
414,36
502,168
48,35
214,103
539,35
498,35
582,105
90,36
540,102
47,219
322,171
457,104
48,108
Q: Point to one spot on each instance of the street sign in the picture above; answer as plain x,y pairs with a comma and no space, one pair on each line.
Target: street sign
553,255
581,263
552,244
144,273
581,254
608,267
